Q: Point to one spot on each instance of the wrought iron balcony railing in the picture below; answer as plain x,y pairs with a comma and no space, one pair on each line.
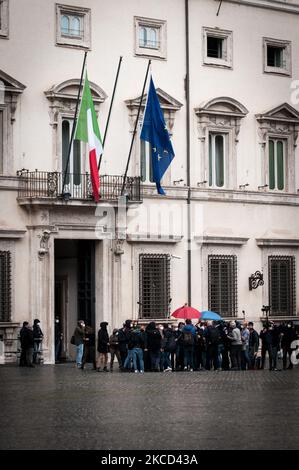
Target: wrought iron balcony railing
47,184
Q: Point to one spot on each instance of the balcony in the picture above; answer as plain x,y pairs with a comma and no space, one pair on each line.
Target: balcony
47,186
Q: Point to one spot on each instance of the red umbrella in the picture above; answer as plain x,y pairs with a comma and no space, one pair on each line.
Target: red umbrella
186,312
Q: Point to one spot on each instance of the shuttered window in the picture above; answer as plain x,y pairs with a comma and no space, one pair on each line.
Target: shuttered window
5,286
223,285
154,285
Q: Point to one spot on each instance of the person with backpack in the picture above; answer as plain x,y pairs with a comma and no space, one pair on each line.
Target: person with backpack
189,337
168,346
212,337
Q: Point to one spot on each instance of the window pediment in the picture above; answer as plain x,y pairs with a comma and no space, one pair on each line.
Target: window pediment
11,84
166,101
223,106
168,104
282,113
68,90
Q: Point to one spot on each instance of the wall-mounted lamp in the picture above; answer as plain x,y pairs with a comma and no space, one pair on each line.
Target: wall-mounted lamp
263,186
178,181
255,280
201,182
243,186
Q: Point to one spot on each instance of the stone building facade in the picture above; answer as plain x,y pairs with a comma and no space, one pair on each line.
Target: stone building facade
226,75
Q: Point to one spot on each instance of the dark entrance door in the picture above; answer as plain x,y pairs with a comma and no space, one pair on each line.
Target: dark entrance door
74,288
86,282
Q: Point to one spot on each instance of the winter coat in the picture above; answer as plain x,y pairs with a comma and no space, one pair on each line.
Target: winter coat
103,341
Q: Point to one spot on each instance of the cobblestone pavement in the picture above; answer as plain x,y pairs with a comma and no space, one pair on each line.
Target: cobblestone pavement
60,407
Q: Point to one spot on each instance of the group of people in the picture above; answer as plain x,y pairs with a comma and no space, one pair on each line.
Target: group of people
187,347
31,338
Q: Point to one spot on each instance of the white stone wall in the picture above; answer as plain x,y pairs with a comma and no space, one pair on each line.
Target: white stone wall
30,55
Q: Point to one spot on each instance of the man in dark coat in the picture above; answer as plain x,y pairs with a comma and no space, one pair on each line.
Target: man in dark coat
103,347
123,339
153,343
26,337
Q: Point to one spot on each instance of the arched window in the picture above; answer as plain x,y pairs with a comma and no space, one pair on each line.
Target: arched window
152,38
65,24
76,29
142,37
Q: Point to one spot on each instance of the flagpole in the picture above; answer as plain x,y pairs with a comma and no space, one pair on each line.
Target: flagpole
110,109
74,123
135,128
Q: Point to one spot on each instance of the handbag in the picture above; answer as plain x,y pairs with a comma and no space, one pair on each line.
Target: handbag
73,340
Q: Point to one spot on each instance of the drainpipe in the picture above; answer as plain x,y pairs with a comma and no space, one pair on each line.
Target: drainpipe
187,91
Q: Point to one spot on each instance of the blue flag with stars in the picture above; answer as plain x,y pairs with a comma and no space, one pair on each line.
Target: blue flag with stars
155,132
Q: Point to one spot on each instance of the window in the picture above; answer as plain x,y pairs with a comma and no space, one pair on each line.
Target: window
73,176
223,285
73,26
146,167
277,56
4,19
5,286
277,164
217,159
154,285
1,141
150,37
217,47
282,299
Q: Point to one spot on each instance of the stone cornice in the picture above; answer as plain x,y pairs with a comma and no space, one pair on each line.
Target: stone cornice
152,238
278,5
12,233
220,240
288,242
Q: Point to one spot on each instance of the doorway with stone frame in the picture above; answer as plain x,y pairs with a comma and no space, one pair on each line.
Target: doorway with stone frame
74,289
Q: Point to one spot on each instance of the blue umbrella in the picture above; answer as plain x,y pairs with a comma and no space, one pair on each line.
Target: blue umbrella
208,315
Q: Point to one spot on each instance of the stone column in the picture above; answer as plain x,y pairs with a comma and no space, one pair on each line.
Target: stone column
42,287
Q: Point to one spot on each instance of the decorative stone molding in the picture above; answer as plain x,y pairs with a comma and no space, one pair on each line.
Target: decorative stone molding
279,5
151,238
12,90
44,244
12,233
282,242
168,104
221,115
4,17
82,40
216,240
280,122
63,97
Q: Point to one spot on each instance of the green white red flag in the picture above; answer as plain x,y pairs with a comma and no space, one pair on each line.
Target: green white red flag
88,131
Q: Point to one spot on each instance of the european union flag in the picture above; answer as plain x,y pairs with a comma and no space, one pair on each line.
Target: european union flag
155,132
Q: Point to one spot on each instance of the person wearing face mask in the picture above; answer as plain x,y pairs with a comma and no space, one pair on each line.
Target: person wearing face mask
79,342
37,341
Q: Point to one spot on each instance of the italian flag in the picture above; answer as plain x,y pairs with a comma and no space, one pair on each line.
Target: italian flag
88,131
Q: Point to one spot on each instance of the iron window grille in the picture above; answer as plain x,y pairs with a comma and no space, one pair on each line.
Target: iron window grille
154,285
223,284
282,293
5,286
